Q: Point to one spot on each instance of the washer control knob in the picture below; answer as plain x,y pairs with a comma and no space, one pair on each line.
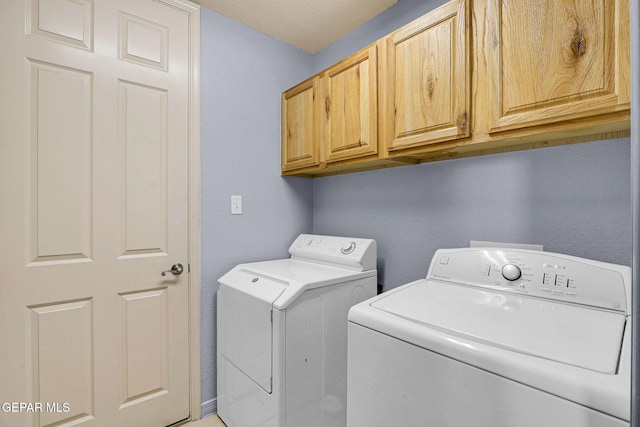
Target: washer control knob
511,272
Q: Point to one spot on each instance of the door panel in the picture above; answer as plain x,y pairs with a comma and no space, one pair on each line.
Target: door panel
143,42
66,21
94,168
60,144
60,350
143,138
144,347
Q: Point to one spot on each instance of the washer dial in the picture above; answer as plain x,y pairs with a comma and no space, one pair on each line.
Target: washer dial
511,272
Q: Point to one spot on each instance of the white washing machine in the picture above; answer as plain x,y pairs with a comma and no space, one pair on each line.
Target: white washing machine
495,338
282,333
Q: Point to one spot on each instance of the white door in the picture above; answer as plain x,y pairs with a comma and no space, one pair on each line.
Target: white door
94,138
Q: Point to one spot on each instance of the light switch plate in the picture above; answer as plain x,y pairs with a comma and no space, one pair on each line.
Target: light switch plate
236,205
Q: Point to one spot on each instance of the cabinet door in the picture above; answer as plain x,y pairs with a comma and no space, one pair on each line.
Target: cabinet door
350,117
556,60
299,126
426,82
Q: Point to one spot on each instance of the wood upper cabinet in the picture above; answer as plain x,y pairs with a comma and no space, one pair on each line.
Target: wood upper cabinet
349,110
471,77
426,89
559,60
300,126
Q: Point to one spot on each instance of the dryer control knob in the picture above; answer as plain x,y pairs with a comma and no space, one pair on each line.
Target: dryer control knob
347,250
511,272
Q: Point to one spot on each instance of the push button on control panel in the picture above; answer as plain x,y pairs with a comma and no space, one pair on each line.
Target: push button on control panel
561,280
485,269
558,283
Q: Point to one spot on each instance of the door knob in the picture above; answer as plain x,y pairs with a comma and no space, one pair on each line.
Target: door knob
175,269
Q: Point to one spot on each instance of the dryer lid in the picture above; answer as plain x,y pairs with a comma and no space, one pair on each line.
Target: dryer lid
570,334
280,282
254,282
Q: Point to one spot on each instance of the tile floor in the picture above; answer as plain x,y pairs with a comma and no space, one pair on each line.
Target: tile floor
210,421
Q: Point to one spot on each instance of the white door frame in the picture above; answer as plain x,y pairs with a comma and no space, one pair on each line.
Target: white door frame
194,206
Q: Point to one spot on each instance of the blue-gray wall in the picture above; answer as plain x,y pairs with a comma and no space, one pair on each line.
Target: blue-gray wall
403,12
242,75
572,199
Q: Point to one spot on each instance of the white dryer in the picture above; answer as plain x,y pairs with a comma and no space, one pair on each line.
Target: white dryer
282,333
495,338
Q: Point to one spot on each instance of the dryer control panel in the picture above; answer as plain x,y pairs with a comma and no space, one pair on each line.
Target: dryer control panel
536,273
345,252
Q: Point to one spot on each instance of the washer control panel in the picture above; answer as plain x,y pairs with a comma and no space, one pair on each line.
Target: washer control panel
536,273
344,252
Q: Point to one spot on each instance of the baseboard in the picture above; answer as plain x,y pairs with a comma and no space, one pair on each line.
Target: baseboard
209,407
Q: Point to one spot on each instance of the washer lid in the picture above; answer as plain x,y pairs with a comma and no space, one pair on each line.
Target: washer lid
571,334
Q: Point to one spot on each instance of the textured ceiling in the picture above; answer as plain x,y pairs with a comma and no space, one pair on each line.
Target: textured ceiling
310,25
